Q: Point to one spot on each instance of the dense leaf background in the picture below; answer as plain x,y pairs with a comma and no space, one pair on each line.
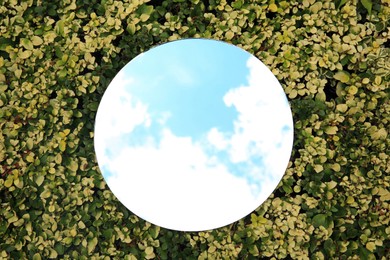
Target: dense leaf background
332,59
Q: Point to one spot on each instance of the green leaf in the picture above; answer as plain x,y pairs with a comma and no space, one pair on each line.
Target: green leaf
154,231
342,2
59,29
131,28
253,250
62,73
145,9
342,76
329,246
319,220
93,106
368,5
237,4
59,248
73,166
287,188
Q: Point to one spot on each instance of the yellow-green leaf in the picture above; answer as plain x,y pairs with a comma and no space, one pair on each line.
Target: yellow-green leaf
92,244
331,130
352,90
273,8
29,158
211,249
342,108
144,17
9,181
131,28
73,166
62,145
336,167
342,76
28,227
45,194
13,219
331,185
27,44
29,143
39,180
18,73
149,250
36,40
18,183
379,134
371,246
36,256
24,54
318,168
229,35
58,158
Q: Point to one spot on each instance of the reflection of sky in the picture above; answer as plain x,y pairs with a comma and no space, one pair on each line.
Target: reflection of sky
189,84
212,120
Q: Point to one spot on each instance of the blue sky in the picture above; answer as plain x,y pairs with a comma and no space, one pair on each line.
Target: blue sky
191,116
208,73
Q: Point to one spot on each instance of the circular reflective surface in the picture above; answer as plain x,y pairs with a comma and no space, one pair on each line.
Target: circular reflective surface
193,134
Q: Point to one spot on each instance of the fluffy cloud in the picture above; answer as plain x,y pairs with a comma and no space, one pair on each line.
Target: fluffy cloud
263,127
178,186
118,114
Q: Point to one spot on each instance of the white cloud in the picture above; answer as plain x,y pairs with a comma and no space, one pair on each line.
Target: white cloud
119,113
263,112
175,184
216,138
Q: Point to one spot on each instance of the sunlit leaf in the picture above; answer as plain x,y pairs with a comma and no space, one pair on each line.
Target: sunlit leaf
342,76
27,44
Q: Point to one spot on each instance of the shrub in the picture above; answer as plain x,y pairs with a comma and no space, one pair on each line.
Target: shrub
332,59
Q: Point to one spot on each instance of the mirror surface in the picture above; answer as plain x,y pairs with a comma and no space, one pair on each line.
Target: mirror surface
193,134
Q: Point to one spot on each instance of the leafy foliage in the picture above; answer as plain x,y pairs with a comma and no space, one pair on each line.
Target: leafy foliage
57,58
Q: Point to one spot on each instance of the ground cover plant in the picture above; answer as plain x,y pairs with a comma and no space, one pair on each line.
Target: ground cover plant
332,59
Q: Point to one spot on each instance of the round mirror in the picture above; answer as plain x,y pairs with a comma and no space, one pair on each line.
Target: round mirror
193,134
